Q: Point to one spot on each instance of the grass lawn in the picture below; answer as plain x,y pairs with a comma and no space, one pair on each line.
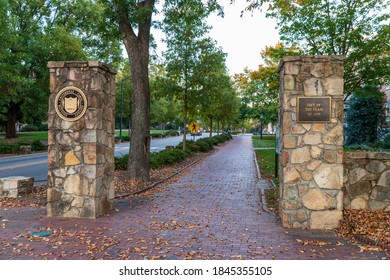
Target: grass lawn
268,141
43,135
266,161
125,132
34,135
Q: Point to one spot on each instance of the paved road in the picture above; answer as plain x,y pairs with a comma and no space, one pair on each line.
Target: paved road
35,165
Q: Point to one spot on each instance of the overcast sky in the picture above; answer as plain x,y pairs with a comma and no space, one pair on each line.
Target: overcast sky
242,38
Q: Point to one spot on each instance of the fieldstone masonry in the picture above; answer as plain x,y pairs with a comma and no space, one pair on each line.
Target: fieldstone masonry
367,180
15,185
81,152
311,170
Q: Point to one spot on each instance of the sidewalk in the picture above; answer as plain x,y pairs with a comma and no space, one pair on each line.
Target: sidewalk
211,212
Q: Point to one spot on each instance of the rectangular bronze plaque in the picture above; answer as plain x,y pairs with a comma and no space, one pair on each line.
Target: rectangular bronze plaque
314,109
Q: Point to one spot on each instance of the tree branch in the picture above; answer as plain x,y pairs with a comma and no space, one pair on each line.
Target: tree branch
125,27
145,21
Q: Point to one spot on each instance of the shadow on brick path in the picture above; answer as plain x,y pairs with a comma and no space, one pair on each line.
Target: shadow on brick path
211,212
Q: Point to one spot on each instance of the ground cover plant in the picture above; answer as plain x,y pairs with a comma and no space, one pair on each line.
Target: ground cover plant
177,154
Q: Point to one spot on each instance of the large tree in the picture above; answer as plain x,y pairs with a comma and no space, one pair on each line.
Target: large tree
165,108
365,116
218,100
185,28
259,89
35,32
358,29
30,36
132,21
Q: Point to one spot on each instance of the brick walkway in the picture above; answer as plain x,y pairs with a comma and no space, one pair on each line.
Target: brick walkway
212,212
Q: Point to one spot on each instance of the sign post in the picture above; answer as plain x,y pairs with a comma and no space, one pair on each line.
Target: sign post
193,127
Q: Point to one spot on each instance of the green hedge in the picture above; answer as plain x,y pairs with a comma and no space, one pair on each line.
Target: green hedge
164,133
34,127
9,148
170,157
14,148
165,157
121,162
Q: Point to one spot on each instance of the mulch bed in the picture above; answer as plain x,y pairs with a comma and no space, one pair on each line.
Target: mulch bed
370,229
123,185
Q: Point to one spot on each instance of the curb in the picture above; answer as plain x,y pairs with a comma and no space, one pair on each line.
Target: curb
164,179
369,241
262,201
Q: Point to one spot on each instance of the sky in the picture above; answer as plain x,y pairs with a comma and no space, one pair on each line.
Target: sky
242,38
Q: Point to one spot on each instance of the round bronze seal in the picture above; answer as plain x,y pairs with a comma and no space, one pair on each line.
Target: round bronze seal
70,104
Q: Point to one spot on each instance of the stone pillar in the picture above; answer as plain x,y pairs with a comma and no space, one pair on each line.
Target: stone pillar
311,141
81,139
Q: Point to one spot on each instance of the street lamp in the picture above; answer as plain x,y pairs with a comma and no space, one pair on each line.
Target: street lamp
261,126
121,116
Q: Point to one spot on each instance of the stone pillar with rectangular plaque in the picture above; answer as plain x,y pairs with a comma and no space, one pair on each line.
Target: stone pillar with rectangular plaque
81,139
311,141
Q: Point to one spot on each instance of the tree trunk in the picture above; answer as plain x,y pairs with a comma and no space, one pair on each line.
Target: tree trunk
12,115
138,165
185,122
137,47
211,127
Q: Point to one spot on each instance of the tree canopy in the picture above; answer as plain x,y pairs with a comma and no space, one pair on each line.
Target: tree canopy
365,116
358,29
189,52
33,33
259,89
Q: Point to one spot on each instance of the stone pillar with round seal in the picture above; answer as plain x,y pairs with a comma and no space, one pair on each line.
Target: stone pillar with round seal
81,139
